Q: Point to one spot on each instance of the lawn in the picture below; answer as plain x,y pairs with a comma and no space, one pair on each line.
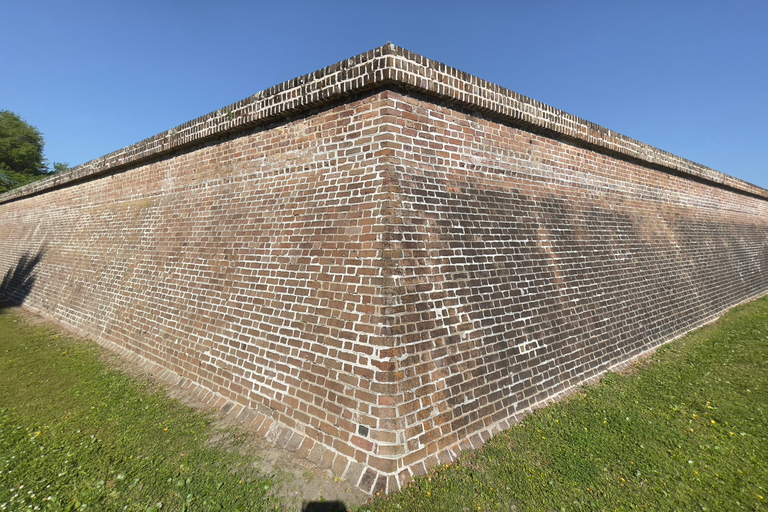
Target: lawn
684,431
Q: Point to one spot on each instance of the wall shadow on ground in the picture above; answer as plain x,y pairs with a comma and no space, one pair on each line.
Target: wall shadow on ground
19,280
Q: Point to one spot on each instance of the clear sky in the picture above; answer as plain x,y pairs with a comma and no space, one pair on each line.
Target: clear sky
689,77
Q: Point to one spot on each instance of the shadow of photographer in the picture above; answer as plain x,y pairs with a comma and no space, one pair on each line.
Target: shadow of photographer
324,506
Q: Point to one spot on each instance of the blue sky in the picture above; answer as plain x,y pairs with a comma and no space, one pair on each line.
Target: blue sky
687,77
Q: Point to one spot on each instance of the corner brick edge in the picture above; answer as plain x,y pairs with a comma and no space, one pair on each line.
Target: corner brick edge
387,65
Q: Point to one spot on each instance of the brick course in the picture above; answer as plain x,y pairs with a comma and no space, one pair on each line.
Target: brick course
383,262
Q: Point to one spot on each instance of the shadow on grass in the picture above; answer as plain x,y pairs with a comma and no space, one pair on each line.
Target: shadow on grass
18,281
324,506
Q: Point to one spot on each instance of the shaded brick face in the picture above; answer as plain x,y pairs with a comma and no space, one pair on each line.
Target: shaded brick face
382,280
525,266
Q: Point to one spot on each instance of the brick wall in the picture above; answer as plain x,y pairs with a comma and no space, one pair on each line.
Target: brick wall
383,262
523,266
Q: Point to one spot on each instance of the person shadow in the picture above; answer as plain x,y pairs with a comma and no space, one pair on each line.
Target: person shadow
324,506
19,280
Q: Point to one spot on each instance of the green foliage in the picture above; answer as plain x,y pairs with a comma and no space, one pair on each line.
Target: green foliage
21,153
687,432
76,435
21,145
61,166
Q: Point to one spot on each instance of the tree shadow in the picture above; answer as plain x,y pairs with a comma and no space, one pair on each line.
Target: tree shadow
324,506
18,281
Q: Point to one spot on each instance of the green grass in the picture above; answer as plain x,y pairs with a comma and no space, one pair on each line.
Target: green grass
688,431
78,435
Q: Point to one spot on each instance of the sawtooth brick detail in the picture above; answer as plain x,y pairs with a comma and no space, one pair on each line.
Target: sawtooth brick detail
384,262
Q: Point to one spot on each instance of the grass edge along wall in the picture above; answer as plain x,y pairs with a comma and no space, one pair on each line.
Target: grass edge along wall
381,263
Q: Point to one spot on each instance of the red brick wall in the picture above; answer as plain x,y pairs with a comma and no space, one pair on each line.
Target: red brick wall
249,267
523,266
377,266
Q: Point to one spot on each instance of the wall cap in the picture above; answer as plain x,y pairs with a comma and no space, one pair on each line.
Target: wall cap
382,67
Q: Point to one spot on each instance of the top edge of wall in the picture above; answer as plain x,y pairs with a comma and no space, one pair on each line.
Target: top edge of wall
386,65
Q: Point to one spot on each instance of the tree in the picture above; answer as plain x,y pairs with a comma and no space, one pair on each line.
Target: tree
21,152
60,167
